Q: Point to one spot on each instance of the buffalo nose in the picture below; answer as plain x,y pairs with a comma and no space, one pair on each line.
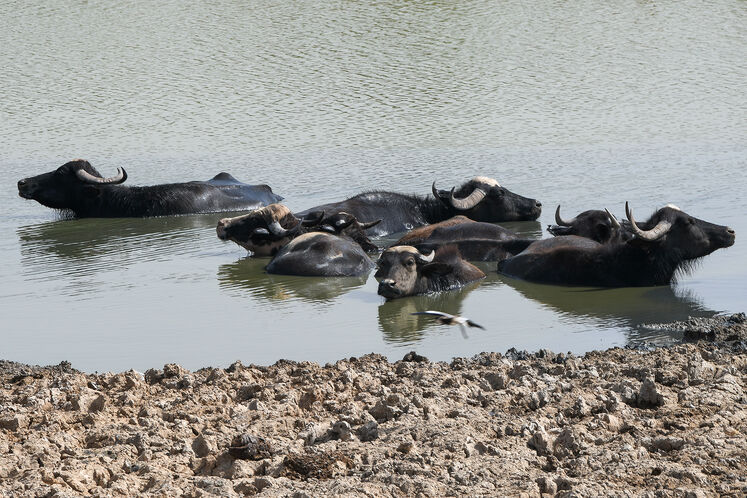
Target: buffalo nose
387,283
538,204
21,183
731,230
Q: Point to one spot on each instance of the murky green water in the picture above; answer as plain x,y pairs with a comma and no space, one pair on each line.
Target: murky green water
587,104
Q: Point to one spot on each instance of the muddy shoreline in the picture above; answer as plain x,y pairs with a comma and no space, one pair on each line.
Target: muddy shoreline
661,422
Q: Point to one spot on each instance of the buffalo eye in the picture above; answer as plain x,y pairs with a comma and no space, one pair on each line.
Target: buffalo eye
498,191
410,262
691,221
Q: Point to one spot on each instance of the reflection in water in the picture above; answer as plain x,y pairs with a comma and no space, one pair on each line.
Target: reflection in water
628,307
398,325
247,276
97,240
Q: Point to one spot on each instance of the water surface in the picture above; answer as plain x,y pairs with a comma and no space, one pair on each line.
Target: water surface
586,104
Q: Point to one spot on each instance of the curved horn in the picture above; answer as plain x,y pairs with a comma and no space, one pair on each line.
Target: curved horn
468,202
310,222
370,224
560,221
278,230
655,233
426,259
613,220
87,177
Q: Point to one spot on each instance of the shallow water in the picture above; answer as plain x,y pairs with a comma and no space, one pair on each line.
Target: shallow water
587,105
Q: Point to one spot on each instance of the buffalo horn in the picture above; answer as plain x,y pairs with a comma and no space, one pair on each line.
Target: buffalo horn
655,233
278,230
427,259
310,222
87,177
435,191
468,202
613,220
560,221
370,224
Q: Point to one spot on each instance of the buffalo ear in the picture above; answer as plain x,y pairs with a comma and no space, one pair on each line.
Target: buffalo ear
90,191
603,232
436,268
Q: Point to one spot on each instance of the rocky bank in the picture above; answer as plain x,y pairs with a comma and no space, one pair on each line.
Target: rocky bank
661,422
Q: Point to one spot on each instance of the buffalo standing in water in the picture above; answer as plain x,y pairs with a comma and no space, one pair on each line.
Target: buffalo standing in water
651,257
77,186
405,271
480,199
476,240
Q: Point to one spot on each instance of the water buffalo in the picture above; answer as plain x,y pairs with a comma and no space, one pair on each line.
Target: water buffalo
476,240
321,254
264,231
601,226
480,199
405,271
77,186
652,256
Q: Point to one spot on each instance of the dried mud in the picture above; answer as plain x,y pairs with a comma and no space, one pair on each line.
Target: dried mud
622,422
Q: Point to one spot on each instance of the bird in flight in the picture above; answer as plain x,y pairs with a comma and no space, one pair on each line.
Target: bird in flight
447,319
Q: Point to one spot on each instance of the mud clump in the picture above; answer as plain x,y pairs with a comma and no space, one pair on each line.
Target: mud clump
661,422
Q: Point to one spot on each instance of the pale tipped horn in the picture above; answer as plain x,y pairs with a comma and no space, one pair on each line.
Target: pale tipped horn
370,224
426,259
87,177
655,233
278,230
468,202
613,220
560,221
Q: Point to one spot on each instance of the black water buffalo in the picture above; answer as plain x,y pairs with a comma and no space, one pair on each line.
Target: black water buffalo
480,199
77,186
264,231
601,226
476,240
321,254
405,271
651,257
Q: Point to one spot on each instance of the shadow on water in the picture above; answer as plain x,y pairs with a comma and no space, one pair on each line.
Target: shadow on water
247,277
631,307
396,323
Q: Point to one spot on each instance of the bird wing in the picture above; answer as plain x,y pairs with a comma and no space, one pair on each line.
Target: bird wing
473,324
463,329
433,313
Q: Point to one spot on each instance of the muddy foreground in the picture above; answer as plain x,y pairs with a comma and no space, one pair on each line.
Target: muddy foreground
670,422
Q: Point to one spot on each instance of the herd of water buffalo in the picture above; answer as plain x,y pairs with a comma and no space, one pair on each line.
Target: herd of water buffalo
444,231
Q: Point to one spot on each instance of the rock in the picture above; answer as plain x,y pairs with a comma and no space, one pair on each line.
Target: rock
97,404
649,395
172,370
250,447
369,431
406,446
547,485
202,446
342,430
540,441
497,380
412,356
383,412
13,422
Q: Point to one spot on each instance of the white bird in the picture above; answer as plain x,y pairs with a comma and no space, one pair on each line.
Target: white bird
447,319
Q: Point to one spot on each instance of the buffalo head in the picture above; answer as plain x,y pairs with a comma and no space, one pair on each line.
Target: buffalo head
69,186
601,226
347,225
683,235
484,199
405,271
263,231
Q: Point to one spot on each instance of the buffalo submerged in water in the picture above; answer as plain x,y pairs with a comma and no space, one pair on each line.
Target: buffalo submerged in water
77,186
651,256
480,199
